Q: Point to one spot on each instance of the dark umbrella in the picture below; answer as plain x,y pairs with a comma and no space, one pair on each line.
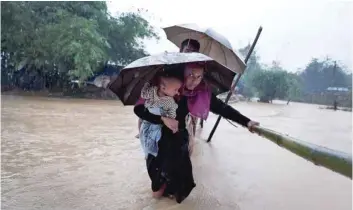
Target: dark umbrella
127,86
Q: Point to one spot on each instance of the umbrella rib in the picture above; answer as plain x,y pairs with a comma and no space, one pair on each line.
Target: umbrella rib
187,34
144,78
130,87
224,52
110,85
212,80
208,46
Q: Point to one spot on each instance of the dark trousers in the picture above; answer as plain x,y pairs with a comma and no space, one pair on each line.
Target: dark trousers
172,166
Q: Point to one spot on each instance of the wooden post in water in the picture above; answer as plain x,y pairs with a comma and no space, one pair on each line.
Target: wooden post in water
334,85
235,82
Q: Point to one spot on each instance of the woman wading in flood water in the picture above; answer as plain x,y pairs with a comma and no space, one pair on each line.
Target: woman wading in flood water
171,170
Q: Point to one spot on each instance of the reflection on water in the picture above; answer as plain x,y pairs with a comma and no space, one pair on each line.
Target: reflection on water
82,154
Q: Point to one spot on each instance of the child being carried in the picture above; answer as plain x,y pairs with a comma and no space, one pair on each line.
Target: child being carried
159,101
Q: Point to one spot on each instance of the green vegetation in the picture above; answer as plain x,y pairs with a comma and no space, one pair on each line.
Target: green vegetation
47,44
59,41
309,85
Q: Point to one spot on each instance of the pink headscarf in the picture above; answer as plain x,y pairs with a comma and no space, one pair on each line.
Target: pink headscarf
199,99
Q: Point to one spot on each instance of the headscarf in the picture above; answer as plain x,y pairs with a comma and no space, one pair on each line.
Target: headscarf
199,99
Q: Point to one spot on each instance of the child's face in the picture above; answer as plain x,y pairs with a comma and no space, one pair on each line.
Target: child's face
170,86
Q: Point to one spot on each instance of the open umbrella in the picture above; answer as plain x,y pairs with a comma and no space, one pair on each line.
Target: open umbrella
127,86
212,44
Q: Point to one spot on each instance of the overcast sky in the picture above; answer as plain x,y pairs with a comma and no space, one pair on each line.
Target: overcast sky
293,31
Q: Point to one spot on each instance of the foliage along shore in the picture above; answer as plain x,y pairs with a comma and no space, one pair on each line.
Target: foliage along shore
46,45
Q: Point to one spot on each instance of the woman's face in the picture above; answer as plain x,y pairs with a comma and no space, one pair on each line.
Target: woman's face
193,77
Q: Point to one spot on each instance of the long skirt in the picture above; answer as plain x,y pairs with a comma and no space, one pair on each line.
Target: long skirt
172,165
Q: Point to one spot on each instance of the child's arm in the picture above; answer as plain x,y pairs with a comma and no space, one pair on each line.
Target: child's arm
170,108
147,91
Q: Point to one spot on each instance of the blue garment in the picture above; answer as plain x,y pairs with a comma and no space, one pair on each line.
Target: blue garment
150,134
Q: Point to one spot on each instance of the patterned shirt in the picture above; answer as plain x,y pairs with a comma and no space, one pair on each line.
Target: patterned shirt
166,103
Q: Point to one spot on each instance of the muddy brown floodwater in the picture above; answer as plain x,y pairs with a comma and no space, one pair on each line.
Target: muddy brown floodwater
82,154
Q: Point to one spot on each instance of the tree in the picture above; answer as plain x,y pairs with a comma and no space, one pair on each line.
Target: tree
319,75
253,65
349,80
70,39
280,75
294,87
271,83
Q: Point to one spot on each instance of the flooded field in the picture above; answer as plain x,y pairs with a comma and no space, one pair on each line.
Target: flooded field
82,154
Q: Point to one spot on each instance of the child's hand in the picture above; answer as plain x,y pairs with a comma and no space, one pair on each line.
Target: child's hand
172,124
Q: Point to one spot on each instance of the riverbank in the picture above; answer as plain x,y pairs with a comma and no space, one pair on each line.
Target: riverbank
86,93
345,109
91,92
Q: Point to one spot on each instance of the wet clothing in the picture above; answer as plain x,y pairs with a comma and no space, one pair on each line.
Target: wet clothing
172,165
166,103
151,133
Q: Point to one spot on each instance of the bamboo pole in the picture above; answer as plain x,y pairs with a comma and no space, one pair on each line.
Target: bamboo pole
336,161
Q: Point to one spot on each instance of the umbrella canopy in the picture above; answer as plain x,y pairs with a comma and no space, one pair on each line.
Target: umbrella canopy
127,86
212,44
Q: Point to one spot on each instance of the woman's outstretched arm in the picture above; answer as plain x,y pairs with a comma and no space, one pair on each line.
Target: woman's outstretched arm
219,107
